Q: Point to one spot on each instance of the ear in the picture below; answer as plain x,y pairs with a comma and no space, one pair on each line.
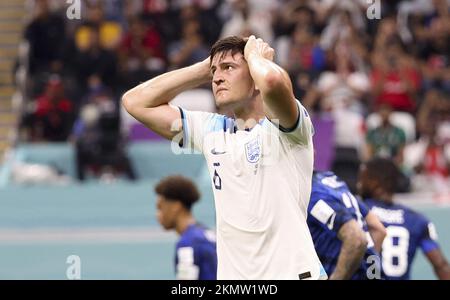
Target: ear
178,206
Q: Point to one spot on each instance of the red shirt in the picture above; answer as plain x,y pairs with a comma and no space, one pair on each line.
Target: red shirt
45,106
151,41
394,92
435,162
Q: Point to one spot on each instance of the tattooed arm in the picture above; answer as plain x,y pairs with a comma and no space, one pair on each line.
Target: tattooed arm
354,245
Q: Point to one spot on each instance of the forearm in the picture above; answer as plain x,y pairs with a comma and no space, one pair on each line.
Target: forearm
354,245
443,272
163,88
439,263
265,73
377,230
272,82
377,238
348,262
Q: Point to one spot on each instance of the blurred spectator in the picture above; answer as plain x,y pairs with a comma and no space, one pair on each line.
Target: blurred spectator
291,15
341,91
51,115
387,140
205,12
414,17
435,107
434,51
430,160
344,18
46,36
114,10
190,49
132,8
245,15
109,31
141,52
429,157
100,148
300,54
343,86
94,60
395,80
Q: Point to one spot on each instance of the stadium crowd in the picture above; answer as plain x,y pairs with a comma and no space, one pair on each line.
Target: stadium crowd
375,87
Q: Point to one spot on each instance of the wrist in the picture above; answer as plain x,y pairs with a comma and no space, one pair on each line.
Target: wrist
201,71
335,276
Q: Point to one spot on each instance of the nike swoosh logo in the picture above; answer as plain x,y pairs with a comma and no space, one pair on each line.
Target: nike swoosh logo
214,152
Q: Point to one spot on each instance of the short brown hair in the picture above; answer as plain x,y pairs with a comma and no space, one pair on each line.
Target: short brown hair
178,188
234,44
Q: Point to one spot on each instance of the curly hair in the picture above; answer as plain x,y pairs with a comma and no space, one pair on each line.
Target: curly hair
178,188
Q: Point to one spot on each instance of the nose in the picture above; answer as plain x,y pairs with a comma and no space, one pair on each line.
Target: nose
218,79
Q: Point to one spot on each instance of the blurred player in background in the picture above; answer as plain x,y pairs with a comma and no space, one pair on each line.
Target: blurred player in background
406,229
196,249
260,161
345,233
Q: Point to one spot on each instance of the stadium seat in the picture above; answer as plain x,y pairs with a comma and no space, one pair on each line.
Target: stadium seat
153,160
58,155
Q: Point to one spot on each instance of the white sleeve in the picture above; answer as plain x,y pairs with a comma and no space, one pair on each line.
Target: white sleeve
196,125
302,132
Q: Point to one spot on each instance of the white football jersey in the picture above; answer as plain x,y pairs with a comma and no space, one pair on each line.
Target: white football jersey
261,180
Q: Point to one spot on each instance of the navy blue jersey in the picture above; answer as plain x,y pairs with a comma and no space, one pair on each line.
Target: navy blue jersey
331,206
196,256
407,230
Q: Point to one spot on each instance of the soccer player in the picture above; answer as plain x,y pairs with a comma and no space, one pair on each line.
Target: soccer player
406,229
260,162
196,249
343,229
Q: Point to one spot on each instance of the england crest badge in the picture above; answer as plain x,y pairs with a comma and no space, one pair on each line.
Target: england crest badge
253,150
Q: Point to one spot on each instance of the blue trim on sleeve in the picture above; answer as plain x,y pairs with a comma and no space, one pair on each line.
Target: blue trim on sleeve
288,130
323,274
302,113
428,245
184,143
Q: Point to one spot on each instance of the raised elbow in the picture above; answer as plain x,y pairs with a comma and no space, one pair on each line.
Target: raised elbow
126,100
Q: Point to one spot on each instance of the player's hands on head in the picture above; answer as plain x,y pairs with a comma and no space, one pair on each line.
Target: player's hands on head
205,66
259,47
